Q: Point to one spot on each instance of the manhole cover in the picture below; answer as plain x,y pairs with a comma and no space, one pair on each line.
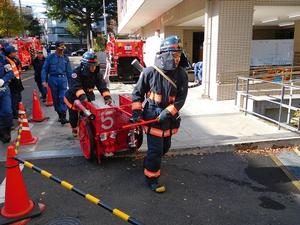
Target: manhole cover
65,221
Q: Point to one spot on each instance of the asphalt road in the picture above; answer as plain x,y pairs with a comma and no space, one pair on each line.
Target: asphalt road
29,86
215,189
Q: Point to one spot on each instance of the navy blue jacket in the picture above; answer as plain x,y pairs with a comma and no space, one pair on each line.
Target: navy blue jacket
38,66
6,72
83,82
161,95
56,65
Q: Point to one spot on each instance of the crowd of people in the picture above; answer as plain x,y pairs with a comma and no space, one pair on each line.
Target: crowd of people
54,71
11,88
159,94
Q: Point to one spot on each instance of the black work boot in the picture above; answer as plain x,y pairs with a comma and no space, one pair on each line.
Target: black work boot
59,117
8,133
63,119
2,135
158,188
155,186
75,132
5,135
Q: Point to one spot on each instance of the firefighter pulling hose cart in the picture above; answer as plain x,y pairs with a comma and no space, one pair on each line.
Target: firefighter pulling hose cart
102,131
165,86
84,78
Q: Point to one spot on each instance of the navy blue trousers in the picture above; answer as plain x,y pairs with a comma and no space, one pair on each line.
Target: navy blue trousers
6,116
157,147
58,86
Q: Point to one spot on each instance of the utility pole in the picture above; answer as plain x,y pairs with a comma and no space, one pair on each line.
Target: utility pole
104,17
20,8
21,16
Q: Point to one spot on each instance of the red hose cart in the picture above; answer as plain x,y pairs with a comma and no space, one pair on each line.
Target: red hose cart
105,131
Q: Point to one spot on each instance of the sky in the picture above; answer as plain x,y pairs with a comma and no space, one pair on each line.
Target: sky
37,6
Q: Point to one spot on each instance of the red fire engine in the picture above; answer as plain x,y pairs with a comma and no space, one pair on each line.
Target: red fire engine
27,48
120,53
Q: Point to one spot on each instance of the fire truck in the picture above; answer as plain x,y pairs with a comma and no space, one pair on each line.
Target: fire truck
27,48
120,52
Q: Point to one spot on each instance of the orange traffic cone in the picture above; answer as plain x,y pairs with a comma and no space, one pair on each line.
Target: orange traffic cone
26,136
21,112
37,114
17,208
49,100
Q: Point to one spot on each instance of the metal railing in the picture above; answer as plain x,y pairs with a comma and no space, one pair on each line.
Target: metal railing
259,89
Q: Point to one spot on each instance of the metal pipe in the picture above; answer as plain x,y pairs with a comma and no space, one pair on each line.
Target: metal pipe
236,90
104,18
288,127
87,113
270,82
247,97
280,106
277,103
290,104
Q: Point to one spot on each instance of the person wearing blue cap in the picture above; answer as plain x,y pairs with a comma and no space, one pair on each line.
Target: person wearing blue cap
6,117
57,66
15,85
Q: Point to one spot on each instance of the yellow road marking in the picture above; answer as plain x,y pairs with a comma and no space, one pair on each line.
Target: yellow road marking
293,179
27,78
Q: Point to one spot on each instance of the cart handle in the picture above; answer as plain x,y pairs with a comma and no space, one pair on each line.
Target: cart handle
85,111
143,122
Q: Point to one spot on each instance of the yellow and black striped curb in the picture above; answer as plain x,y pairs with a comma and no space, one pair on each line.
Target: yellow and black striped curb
87,196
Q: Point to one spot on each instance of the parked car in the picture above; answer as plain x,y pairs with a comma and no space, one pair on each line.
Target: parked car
79,52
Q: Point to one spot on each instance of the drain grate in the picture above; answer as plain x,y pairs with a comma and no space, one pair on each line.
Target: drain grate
65,221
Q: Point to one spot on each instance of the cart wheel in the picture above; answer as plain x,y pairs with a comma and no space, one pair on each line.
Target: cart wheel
87,140
138,136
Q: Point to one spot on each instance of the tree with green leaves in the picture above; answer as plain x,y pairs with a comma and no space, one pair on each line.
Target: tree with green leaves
10,21
81,13
75,30
32,26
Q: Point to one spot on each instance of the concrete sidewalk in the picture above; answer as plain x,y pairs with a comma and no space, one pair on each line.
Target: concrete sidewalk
208,125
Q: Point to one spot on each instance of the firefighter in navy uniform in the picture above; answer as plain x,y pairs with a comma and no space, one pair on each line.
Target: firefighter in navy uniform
84,78
165,87
6,116
15,85
57,72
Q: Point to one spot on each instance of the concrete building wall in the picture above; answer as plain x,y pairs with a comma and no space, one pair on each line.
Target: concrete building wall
170,30
277,2
229,47
228,37
181,13
297,44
